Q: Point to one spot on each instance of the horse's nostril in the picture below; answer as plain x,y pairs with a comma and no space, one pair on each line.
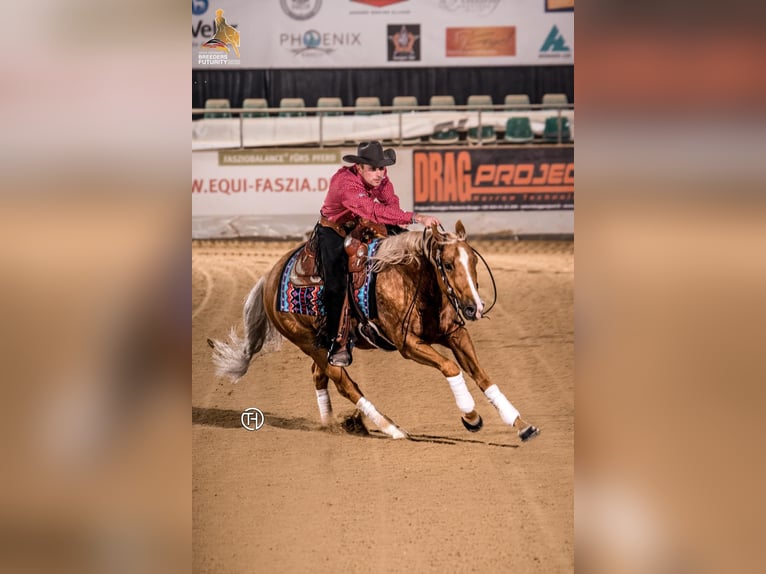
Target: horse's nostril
470,311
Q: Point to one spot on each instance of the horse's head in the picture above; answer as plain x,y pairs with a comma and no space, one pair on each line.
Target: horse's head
455,263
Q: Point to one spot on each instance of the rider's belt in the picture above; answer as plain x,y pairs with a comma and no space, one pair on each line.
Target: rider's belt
341,229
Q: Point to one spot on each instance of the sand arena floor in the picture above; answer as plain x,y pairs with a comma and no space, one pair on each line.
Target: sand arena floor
293,497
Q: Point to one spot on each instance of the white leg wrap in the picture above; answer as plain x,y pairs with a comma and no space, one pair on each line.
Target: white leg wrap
463,397
380,421
508,412
371,412
325,406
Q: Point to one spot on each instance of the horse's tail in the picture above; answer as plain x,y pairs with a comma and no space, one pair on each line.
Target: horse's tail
232,359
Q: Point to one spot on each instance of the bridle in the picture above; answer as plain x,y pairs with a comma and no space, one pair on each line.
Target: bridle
451,297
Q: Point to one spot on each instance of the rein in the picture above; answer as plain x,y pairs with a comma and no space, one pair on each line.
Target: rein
492,278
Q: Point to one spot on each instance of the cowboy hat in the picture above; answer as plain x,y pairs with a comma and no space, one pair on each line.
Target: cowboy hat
372,153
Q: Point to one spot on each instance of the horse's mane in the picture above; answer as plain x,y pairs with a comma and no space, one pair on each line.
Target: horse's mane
407,248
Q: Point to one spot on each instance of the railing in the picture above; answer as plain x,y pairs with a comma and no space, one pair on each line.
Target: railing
325,114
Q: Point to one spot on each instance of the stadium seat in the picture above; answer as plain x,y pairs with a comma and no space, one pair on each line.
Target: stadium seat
405,102
487,131
517,101
518,129
551,132
217,104
291,108
330,102
555,101
255,104
367,106
448,135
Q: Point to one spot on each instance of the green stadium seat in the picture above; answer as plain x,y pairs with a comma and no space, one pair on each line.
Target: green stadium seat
445,136
518,129
555,101
291,108
217,104
255,104
551,132
330,102
367,106
405,102
487,131
517,101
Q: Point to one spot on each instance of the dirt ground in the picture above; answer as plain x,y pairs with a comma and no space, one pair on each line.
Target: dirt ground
292,497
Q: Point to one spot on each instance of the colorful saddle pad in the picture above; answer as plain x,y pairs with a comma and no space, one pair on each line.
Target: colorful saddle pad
308,300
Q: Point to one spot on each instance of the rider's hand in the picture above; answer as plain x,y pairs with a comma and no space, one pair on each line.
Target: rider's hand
427,220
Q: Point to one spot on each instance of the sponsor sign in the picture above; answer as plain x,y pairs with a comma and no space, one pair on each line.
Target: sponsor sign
199,7
480,7
223,47
559,5
555,45
318,34
494,179
404,43
266,181
483,42
313,43
300,9
378,3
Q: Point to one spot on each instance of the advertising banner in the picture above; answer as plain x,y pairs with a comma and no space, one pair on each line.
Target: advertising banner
498,179
263,181
381,33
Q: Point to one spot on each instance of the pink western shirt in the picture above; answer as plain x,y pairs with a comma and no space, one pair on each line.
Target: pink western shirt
350,196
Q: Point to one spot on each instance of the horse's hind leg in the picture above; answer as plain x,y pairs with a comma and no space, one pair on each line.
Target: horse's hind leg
350,390
323,398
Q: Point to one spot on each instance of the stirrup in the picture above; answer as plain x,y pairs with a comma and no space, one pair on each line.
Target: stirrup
339,357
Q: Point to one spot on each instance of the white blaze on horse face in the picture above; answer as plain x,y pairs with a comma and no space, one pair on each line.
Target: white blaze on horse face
474,291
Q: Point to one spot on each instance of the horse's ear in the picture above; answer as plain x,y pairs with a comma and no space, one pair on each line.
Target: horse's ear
435,232
460,230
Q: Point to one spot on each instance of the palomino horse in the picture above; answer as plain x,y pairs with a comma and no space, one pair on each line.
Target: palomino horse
426,284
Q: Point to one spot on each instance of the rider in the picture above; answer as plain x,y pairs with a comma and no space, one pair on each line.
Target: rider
362,190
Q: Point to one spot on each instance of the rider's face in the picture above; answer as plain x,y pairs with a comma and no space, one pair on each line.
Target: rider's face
372,175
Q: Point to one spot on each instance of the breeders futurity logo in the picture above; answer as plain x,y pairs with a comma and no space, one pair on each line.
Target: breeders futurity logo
555,46
225,39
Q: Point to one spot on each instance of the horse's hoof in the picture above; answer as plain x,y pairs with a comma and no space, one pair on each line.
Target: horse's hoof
470,427
397,433
354,425
528,433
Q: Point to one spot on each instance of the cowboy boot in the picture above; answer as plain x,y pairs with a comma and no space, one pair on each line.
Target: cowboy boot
339,354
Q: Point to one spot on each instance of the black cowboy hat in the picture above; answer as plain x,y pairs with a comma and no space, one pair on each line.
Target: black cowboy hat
372,153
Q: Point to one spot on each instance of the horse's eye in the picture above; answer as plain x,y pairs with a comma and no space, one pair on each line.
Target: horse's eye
448,267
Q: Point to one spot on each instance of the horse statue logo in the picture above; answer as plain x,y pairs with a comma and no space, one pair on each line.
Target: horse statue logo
225,35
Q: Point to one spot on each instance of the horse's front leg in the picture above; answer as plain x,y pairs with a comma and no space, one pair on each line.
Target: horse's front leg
461,344
423,353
